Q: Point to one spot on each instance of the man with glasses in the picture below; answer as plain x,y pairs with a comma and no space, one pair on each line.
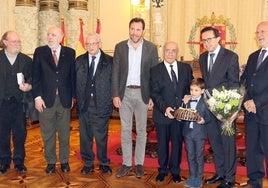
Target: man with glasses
94,103
219,67
15,80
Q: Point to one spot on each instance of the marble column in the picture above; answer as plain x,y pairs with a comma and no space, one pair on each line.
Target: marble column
78,9
159,25
26,24
48,16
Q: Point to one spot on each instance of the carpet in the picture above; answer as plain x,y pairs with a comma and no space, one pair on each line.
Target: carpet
151,157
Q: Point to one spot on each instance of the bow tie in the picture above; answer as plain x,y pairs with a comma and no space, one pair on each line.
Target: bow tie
193,100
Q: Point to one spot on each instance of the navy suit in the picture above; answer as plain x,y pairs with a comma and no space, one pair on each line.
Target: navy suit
256,84
195,140
168,130
225,72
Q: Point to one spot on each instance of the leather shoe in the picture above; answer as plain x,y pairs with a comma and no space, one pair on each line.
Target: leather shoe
87,169
20,168
176,178
4,169
225,184
50,169
106,169
216,178
65,167
160,177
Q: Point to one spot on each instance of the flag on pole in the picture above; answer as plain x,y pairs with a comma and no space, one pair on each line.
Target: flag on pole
81,44
98,28
63,41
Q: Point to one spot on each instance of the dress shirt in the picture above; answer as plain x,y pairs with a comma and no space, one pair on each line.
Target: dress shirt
216,52
134,64
193,106
175,68
96,60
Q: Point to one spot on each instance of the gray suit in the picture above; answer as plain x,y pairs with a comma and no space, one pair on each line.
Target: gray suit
134,101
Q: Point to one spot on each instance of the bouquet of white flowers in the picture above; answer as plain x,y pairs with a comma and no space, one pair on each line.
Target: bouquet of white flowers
225,105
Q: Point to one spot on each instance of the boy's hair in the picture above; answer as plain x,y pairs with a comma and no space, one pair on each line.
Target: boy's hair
198,82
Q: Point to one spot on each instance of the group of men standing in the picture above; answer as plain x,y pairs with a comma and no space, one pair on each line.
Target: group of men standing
133,81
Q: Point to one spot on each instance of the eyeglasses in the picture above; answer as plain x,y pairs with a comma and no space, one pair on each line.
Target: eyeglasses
92,44
260,32
208,40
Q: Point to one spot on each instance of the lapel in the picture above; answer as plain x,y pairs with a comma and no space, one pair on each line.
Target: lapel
219,59
264,62
165,74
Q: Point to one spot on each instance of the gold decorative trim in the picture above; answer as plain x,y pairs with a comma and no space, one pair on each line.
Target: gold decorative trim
31,3
49,5
78,5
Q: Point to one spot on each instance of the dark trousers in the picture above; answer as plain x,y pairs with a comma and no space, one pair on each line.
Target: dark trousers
92,126
169,134
12,123
224,150
256,149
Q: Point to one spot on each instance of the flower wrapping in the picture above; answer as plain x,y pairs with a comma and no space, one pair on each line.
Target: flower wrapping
225,105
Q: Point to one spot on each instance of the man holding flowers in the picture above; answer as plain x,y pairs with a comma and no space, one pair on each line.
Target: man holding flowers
219,68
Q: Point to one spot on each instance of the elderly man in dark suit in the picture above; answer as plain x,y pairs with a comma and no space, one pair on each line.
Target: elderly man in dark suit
12,117
169,82
255,103
94,102
219,67
133,59
53,91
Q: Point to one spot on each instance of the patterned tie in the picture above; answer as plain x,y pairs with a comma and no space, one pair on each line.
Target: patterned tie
260,59
174,78
91,68
211,62
55,57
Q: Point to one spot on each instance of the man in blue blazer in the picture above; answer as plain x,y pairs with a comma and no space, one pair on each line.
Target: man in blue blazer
53,91
94,103
132,61
255,104
167,97
219,67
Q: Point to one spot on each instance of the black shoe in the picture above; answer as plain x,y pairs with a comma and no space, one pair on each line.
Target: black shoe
106,169
216,178
225,184
176,178
87,169
4,169
50,168
160,177
20,168
65,167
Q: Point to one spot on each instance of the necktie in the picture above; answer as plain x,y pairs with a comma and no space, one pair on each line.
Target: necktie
260,59
210,62
55,57
91,68
174,78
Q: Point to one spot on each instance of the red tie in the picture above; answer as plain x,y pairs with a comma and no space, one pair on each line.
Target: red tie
55,57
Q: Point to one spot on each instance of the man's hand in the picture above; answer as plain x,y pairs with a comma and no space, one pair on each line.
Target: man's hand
168,112
25,87
186,99
117,102
150,104
250,106
39,104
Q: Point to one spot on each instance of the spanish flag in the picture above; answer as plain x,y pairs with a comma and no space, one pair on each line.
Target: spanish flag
81,44
63,41
98,28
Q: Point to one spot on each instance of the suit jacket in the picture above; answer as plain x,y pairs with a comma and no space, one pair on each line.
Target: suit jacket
47,77
102,78
120,68
163,93
225,71
25,66
199,130
256,87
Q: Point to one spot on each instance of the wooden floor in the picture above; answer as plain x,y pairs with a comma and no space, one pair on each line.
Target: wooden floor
37,178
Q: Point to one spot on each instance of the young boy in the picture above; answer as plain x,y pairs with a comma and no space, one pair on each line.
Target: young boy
195,133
